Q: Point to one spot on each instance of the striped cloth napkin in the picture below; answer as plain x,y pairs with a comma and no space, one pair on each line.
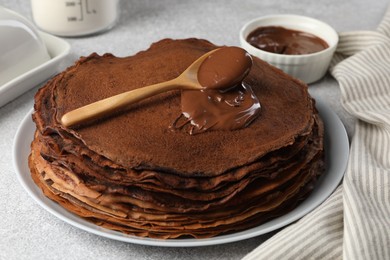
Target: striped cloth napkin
354,222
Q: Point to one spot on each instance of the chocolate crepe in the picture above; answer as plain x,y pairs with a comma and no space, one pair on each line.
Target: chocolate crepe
134,173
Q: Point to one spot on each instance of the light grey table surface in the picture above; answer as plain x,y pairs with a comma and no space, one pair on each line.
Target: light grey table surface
29,232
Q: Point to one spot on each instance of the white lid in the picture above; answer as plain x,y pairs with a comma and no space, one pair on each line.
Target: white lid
21,48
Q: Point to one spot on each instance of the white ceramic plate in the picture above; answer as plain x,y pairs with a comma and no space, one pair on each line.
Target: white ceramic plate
57,48
337,151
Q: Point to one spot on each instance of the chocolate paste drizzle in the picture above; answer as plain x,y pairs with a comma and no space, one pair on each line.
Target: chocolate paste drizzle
212,109
226,103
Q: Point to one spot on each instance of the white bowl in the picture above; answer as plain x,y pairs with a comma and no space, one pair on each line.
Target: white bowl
306,67
21,47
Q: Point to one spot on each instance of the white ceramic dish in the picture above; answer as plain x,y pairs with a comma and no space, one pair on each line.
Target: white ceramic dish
337,151
308,67
57,49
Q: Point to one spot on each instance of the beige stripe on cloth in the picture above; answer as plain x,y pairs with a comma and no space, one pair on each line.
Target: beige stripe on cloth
354,222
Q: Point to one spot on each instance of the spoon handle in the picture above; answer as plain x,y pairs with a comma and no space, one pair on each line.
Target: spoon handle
106,106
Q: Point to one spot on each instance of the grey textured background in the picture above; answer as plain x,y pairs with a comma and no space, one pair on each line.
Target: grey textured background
29,232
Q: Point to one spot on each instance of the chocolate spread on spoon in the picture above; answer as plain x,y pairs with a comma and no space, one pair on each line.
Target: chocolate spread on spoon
224,68
227,103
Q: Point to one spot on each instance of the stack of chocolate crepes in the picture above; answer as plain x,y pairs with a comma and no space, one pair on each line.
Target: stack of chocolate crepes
134,173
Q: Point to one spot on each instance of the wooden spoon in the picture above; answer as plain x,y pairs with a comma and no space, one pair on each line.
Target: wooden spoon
187,80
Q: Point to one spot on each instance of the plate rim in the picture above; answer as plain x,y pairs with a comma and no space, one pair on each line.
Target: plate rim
339,141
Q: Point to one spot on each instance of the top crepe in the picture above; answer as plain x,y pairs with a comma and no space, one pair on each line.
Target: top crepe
140,137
